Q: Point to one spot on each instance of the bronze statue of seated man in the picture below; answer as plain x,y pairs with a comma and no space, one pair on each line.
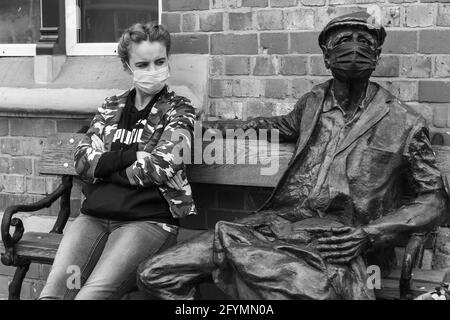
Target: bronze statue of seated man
363,173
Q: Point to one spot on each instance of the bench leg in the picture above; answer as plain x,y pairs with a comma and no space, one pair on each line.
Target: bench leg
16,284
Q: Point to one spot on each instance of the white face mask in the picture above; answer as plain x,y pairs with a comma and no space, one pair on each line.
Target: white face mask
150,82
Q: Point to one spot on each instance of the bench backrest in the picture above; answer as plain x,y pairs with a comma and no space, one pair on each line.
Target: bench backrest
57,158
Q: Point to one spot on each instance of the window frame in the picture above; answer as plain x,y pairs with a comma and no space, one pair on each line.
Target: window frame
19,49
73,48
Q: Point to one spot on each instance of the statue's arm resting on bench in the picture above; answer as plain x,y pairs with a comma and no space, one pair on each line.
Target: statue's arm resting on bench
288,126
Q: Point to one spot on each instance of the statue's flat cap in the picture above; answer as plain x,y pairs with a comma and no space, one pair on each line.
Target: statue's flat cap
359,19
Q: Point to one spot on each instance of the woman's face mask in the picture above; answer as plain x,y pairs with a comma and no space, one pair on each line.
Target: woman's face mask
352,61
150,82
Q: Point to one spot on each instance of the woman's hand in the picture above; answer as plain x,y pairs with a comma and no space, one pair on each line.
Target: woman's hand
176,182
97,143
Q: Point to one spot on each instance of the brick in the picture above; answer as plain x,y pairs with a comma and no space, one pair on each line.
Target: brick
388,66
416,66
4,283
21,147
401,42
36,289
265,65
220,88
190,22
255,3
259,109
403,90
193,43
216,88
248,88
72,125
269,20
228,110
434,41
211,21
434,91
293,65
234,44
440,116
32,127
4,127
299,19
52,182
222,4
304,43
391,16
237,65
185,5
317,66
21,166
12,183
172,21
45,271
240,21
443,16
216,65
276,88
36,185
338,2
300,87
419,16
283,3
274,43
442,66
4,164
325,14
313,2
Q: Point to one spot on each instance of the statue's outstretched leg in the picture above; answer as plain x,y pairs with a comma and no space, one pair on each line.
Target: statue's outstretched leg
173,274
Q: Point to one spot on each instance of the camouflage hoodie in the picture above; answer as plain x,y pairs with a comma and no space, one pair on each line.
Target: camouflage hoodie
170,114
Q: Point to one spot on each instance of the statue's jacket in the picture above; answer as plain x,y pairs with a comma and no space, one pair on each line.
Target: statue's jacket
384,172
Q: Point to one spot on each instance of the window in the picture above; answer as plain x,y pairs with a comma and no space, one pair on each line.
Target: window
93,27
20,23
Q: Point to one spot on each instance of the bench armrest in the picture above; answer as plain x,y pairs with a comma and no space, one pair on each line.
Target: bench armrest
412,258
9,242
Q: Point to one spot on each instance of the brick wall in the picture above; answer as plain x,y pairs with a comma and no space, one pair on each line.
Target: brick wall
264,53
263,57
21,142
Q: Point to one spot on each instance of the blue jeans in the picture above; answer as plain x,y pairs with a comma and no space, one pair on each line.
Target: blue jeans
104,255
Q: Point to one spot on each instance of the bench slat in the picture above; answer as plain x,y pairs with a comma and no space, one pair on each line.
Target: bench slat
58,151
57,158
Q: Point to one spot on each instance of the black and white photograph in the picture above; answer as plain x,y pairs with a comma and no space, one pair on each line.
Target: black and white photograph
225,155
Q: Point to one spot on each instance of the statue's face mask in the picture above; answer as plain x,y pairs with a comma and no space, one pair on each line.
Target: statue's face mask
351,54
352,61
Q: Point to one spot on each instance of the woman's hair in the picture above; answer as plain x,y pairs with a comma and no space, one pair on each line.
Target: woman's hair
141,32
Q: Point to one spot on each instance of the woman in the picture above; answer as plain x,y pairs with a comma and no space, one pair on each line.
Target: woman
135,188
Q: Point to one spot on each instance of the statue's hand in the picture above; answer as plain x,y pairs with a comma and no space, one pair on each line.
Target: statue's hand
343,244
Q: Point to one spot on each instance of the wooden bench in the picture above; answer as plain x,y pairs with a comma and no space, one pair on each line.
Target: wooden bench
21,248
